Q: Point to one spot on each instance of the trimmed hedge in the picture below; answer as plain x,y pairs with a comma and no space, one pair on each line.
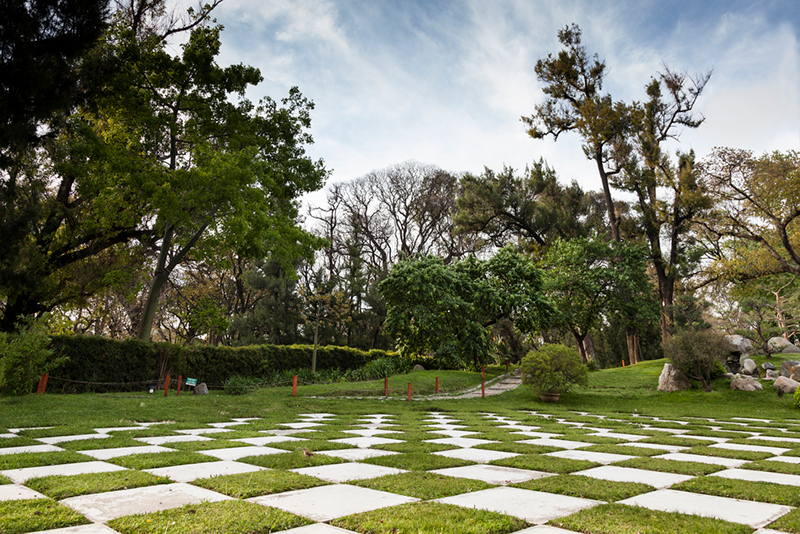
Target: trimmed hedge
99,364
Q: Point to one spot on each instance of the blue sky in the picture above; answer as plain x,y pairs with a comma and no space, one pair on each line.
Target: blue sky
446,82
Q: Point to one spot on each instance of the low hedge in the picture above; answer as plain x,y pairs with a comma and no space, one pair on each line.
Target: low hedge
99,364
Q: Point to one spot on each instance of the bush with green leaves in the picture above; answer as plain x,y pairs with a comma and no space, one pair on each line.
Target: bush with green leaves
698,354
553,369
24,358
239,385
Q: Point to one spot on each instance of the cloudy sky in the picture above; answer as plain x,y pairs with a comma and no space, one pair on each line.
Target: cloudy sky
445,82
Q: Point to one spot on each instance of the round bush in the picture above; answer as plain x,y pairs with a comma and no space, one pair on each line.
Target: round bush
553,369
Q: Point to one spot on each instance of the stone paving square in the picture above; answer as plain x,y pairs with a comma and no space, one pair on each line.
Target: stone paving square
338,473
8,435
464,443
105,454
52,440
775,438
190,472
199,431
29,448
785,459
14,492
117,429
102,507
480,456
492,474
599,457
759,476
777,451
560,443
317,416
520,428
370,432
539,435
227,424
703,459
755,514
355,455
544,529
92,528
163,440
302,425
268,439
364,443
618,435
532,506
614,473
19,476
317,528
234,453
453,433
655,446
289,432
325,503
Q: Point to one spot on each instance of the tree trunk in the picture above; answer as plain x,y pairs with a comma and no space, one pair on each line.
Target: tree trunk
316,341
666,293
634,349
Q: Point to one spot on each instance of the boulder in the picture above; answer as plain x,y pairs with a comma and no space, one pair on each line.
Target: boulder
781,345
418,367
672,379
749,367
767,366
746,383
200,389
772,374
740,344
784,385
790,369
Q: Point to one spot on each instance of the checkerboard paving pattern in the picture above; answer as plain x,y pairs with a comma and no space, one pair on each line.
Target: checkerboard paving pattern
484,445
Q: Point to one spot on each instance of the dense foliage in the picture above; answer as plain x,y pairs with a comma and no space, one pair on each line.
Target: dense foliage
553,369
699,354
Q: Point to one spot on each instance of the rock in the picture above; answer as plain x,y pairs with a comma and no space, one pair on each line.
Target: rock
200,389
740,344
418,367
784,385
749,367
790,368
672,379
767,366
772,374
746,383
781,345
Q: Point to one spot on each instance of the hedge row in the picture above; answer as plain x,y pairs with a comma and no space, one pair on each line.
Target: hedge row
100,364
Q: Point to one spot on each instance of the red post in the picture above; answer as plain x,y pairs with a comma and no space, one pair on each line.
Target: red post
437,384
386,386
294,386
166,386
180,379
506,365
483,381
409,392
42,384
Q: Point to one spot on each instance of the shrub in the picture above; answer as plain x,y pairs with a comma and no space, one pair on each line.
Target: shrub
24,358
239,385
698,354
553,369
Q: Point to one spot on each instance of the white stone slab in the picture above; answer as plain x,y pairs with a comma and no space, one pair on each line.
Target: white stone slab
759,476
560,443
619,435
101,507
191,472
540,435
267,440
751,419
92,528
245,419
768,531
316,416
777,451
8,435
364,443
755,514
227,424
453,433
785,459
545,529
199,431
703,459
355,455
317,528
492,474
338,473
301,425
52,440
520,428
18,430
775,438
19,476
15,492
369,432
592,456
163,440
105,454
464,443
674,431
289,432
532,506
375,426
235,453
614,473
29,448
325,503
444,427
655,446
481,456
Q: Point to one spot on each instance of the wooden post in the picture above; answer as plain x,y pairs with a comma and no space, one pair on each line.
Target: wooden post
506,365
437,384
409,392
180,380
483,381
294,386
386,386
42,384
166,386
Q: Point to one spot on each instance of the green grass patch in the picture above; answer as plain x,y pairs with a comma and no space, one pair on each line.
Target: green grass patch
194,446
292,460
742,489
550,464
4,480
34,515
414,447
621,519
773,467
677,441
517,448
417,461
430,518
766,443
730,453
425,486
787,523
586,487
60,487
36,459
159,459
18,441
210,518
671,466
113,442
246,485
57,431
630,450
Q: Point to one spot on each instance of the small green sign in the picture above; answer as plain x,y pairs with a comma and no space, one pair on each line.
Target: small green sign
191,381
